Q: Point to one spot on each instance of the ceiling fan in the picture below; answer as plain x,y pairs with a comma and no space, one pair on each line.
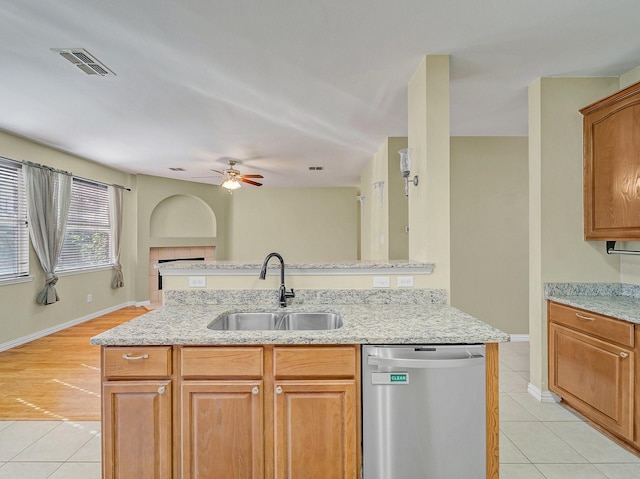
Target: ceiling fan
233,178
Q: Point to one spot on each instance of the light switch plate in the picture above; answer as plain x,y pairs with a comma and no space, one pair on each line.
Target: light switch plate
197,281
405,282
381,282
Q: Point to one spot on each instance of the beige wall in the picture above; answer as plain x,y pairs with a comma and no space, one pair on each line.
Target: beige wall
364,212
183,216
558,252
303,224
375,219
382,235
21,316
398,202
152,191
429,203
310,281
489,230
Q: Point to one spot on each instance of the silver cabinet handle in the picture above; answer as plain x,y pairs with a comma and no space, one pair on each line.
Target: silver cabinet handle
255,390
134,358
588,318
624,355
161,390
278,390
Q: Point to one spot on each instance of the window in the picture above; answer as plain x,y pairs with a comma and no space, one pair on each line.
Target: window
14,230
87,242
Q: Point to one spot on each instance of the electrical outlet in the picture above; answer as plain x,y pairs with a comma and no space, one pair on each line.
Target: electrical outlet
381,282
197,281
405,282
89,298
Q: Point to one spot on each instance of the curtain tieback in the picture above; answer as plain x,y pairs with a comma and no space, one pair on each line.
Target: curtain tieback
51,279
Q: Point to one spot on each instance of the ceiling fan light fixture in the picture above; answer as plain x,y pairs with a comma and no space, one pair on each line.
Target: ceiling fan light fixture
231,184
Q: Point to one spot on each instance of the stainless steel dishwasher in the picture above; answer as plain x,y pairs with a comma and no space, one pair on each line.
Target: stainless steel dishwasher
423,410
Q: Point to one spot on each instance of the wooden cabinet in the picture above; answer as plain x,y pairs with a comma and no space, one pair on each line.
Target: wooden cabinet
611,129
316,413
231,412
222,429
269,411
592,367
137,412
222,412
315,429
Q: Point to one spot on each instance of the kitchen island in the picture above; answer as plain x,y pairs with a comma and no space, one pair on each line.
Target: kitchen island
290,393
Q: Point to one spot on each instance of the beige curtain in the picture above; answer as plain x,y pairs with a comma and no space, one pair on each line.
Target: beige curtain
48,194
115,212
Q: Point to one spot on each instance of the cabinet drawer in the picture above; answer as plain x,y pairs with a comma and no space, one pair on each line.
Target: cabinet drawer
129,362
315,361
610,329
221,361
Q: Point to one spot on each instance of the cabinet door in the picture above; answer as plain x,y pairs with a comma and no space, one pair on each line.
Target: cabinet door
222,430
136,429
612,167
315,429
593,376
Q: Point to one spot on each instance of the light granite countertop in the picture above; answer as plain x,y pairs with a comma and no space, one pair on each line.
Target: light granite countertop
363,324
617,300
397,264
232,268
417,317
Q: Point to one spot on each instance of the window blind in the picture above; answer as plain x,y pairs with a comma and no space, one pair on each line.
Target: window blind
87,241
14,230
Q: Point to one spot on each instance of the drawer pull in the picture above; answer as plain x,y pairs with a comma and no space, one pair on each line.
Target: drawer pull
624,355
588,318
161,389
134,358
255,390
278,390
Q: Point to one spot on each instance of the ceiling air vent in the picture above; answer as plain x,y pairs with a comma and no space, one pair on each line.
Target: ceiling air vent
316,168
84,61
176,169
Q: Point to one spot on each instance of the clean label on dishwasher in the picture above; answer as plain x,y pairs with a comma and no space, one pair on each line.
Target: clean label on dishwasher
389,378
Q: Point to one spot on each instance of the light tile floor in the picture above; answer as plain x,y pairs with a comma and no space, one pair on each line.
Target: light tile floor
548,440
537,440
50,449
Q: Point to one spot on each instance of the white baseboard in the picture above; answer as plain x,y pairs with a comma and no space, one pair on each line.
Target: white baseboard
141,304
59,327
516,338
542,396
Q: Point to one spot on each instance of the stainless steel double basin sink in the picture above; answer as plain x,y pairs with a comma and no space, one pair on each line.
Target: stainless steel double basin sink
284,321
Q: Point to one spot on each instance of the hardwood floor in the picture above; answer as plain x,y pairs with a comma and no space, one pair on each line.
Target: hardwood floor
57,377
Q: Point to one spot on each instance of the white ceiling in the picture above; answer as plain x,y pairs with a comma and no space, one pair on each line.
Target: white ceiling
281,85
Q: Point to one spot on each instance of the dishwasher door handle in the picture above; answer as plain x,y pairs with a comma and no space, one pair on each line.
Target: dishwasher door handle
426,363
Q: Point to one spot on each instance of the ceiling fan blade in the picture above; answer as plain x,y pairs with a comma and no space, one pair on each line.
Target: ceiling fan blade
252,176
254,183
219,172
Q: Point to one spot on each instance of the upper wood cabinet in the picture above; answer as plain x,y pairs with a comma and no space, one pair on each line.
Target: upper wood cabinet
611,129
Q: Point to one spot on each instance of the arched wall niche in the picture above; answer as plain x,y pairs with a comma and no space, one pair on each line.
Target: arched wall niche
183,216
